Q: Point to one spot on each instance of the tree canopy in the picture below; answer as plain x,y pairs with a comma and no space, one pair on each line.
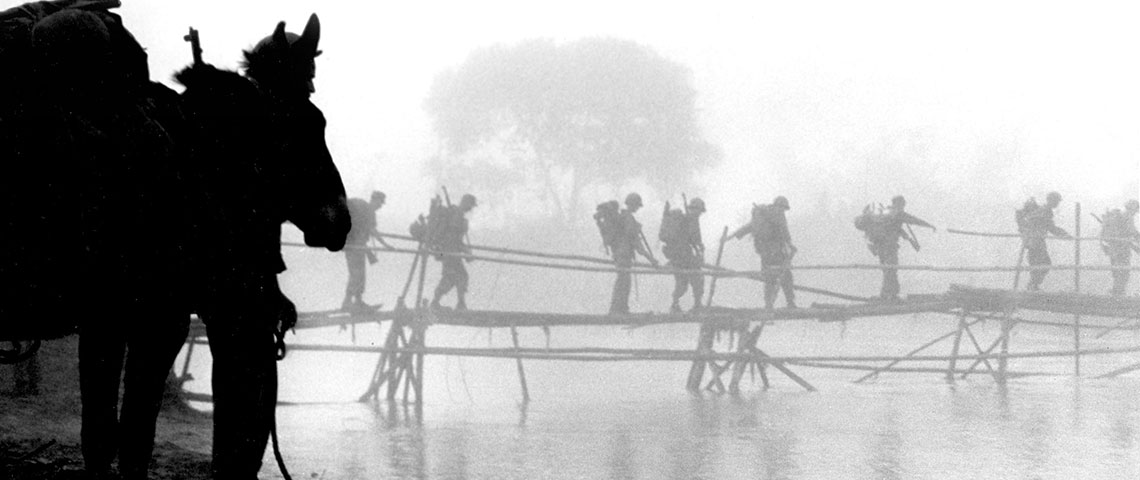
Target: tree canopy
544,121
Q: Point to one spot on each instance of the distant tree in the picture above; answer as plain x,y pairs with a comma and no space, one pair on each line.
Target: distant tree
544,121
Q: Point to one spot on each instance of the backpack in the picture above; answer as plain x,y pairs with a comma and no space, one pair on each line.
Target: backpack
874,223
672,230
1114,225
764,223
1026,214
608,218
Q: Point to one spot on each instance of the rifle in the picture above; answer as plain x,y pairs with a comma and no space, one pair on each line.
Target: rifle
195,45
446,196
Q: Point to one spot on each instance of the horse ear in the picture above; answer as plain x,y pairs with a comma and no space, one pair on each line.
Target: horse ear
279,38
309,38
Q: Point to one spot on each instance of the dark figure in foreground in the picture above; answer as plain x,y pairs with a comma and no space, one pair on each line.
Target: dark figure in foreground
452,235
259,159
1118,240
356,253
1035,222
628,241
883,231
93,214
773,242
685,250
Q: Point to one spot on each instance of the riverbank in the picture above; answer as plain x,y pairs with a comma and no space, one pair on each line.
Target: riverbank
39,430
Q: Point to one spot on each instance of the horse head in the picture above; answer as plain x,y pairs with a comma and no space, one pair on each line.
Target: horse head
312,194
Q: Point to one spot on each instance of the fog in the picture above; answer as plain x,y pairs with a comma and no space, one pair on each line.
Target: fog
967,109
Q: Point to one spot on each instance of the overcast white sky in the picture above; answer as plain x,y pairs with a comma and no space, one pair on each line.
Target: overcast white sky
778,81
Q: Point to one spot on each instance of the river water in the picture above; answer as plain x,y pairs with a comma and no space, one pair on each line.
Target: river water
634,420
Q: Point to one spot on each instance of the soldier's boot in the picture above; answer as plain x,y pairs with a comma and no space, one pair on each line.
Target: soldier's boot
461,304
675,307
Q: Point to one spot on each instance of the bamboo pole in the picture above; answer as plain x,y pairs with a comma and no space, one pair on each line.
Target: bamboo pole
779,365
841,366
641,269
978,348
978,361
1018,235
518,363
747,344
688,355
1077,289
954,350
1120,371
909,355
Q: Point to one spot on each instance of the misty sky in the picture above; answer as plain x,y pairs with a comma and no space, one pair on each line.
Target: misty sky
796,93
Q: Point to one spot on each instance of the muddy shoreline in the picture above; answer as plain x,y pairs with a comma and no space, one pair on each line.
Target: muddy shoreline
39,430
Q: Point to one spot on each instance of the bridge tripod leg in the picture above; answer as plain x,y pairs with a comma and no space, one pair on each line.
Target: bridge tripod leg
704,345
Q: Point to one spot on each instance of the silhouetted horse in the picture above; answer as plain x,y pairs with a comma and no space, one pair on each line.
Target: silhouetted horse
114,186
93,216
257,158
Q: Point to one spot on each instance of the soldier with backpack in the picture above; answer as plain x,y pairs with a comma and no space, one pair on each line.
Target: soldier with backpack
1034,222
681,233
1118,239
363,215
773,242
451,234
883,229
624,240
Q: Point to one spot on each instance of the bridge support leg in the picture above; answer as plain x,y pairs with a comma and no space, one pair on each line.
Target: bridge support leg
954,350
704,345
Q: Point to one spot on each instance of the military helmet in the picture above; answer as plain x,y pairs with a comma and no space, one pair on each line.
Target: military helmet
468,200
898,200
1053,198
782,202
1132,205
697,205
633,199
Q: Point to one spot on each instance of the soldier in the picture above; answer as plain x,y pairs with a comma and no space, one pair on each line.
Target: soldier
1118,239
1034,222
452,239
629,241
363,215
883,231
773,242
685,250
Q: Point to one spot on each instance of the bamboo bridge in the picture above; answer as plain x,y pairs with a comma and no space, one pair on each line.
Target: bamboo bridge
719,365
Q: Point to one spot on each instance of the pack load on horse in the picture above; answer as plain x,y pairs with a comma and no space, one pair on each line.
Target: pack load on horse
76,92
608,219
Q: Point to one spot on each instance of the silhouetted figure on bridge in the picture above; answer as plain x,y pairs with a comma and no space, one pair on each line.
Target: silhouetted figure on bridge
356,253
452,238
628,240
1119,240
685,250
883,229
773,242
1035,222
